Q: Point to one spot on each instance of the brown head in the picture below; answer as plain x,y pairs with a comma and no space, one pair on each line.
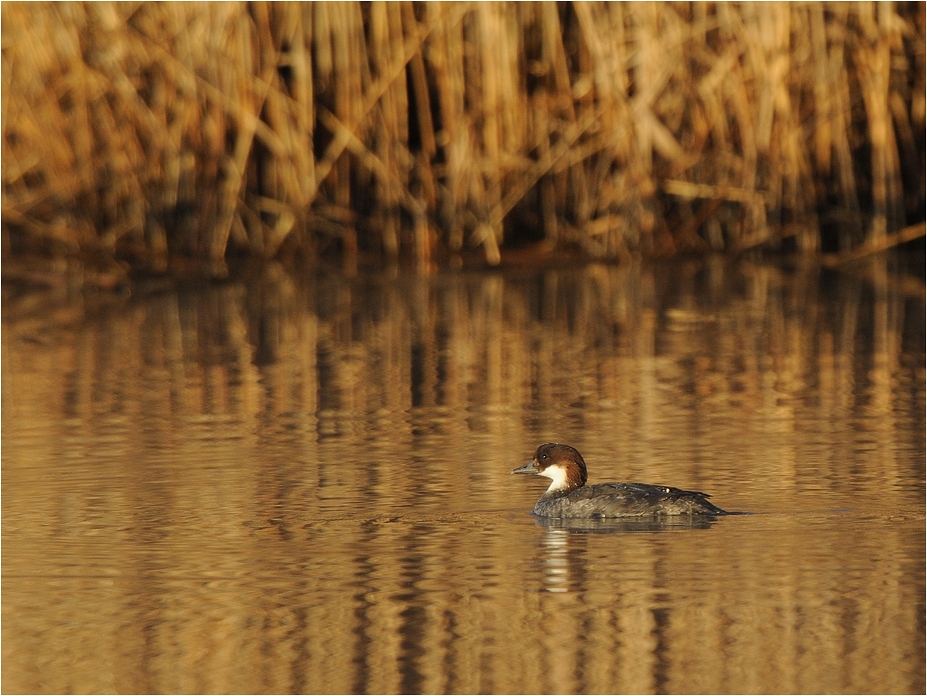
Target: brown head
562,464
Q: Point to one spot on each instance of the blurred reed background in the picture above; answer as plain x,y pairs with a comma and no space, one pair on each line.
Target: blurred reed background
154,132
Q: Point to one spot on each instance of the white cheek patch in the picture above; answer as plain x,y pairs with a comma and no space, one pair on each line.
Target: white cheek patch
558,475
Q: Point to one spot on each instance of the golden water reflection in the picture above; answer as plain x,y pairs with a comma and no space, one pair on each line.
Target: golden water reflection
300,484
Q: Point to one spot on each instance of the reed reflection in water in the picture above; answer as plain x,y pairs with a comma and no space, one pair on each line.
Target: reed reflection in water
301,484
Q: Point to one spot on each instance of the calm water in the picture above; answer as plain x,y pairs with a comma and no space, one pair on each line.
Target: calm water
301,484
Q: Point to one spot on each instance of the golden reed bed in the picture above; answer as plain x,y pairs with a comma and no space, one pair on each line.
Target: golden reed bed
418,131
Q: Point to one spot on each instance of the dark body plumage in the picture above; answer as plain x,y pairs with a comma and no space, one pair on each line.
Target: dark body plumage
624,500
569,497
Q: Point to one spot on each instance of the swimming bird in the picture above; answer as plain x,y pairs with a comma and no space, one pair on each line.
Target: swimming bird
569,496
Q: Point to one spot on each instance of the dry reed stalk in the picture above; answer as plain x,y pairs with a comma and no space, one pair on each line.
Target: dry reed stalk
392,140
445,60
417,130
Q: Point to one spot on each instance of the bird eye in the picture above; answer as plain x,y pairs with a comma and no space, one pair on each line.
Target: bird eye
543,456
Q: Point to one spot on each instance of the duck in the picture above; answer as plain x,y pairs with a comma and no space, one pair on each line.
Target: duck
568,496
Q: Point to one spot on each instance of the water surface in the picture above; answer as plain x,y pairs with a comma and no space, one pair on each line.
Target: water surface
300,483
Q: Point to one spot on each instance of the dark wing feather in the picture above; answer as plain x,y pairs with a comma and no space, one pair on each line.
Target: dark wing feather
626,500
